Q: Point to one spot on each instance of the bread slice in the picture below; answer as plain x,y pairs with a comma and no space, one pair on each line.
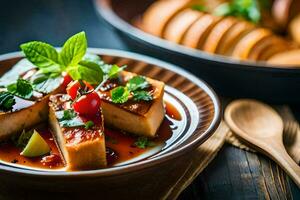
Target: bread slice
160,13
138,117
287,58
178,26
246,44
198,32
294,29
217,34
82,149
233,35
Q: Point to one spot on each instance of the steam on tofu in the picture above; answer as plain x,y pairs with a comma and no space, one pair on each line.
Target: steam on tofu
138,117
82,147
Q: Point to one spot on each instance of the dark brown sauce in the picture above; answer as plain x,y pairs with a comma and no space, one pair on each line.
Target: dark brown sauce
172,112
10,153
120,145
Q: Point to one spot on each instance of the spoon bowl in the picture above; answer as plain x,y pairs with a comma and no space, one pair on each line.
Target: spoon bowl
260,126
256,119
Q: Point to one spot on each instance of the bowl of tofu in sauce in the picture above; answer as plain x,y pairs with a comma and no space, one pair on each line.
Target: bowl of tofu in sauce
61,123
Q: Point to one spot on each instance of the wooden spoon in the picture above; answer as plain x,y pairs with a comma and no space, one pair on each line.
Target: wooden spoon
261,127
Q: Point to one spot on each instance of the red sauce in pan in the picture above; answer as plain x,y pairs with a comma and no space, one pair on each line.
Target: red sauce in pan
120,145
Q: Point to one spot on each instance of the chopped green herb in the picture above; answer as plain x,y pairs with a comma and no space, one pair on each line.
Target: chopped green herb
144,142
200,8
69,114
247,9
69,118
135,87
142,96
21,88
120,94
89,124
7,101
137,83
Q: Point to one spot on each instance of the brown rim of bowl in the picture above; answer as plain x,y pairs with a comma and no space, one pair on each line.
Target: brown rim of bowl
103,7
144,163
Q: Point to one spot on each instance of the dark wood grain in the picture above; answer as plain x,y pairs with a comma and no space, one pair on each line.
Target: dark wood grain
234,174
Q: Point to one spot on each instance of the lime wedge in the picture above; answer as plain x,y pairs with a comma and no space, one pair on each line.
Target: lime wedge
36,146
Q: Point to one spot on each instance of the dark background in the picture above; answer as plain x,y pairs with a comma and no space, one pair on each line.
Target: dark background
234,174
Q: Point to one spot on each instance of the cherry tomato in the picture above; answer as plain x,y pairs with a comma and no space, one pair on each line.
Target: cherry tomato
67,79
88,104
73,88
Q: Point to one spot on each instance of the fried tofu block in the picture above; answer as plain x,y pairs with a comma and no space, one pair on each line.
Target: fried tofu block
82,149
140,118
24,115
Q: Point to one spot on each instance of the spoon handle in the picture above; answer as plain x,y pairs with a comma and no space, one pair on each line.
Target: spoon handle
279,155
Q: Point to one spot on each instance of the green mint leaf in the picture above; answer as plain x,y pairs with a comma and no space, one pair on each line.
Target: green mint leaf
144,142
200,8
114,71
22,88
46,83
119,94
42,55
89,71
89,124
74,50
7,101
142,96
137,83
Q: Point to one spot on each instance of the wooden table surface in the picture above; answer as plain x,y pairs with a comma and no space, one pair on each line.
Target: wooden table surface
234,174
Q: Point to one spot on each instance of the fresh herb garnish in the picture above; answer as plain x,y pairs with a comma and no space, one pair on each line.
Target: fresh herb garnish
247,9
69,118
21,88
200,8
42,55
68,114
143,142
89,124
142,96
120,94
134,86
7,101
137,83
72,59
86,70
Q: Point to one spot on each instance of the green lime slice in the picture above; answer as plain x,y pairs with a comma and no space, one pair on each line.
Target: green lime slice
36,146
